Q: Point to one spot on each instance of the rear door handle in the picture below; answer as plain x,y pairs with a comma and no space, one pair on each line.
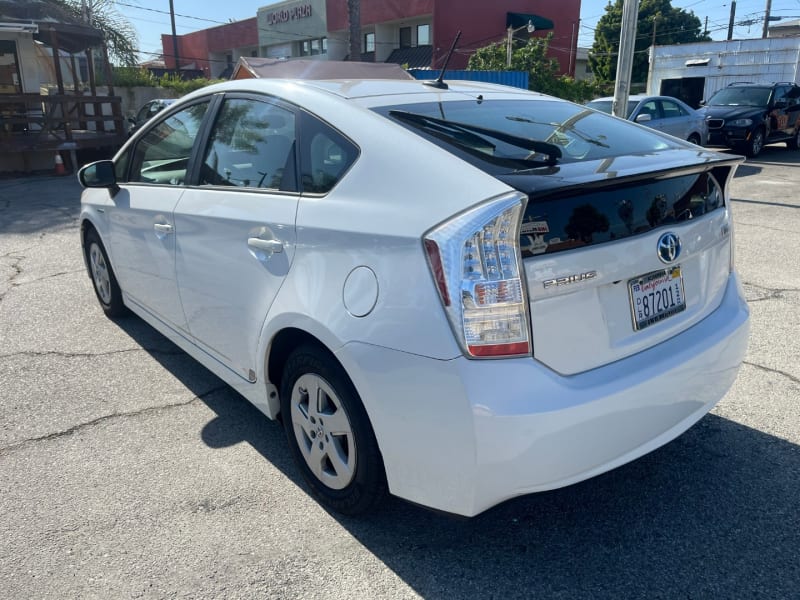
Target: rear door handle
272,246
163,227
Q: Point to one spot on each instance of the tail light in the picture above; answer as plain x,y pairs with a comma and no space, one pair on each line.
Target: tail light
476,264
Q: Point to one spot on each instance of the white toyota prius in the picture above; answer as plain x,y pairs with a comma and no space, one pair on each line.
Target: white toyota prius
456,294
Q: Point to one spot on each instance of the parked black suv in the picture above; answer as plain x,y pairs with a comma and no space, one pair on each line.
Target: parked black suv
745,116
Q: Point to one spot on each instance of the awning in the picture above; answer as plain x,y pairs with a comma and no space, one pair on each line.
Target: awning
517,20
71,38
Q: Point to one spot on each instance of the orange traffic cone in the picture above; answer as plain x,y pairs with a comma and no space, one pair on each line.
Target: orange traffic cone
60,170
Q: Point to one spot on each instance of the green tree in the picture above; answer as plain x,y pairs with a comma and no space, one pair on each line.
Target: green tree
120,35
658,21
542,70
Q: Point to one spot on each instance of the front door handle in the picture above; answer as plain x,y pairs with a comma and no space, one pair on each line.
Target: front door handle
163,228
271,246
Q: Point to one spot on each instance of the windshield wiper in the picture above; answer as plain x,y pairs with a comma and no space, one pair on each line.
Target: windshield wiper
475,133
561,127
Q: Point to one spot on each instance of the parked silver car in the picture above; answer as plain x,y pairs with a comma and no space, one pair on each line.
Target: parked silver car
663,113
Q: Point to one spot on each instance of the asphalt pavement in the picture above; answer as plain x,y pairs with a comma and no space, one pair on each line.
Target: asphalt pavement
127,470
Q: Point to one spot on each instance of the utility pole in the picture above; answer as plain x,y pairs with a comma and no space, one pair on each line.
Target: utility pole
627,42
354,26
174,37
509,46
765,31
733,16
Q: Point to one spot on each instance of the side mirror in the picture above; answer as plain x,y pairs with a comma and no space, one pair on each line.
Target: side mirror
701,103
99,174
131,120
643,118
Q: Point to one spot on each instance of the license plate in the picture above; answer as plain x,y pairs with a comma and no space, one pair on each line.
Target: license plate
656,296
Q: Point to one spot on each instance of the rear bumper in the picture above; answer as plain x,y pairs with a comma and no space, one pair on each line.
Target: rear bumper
463,435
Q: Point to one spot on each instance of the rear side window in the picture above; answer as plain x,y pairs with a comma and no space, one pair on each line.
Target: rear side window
162,156
251,145
325,156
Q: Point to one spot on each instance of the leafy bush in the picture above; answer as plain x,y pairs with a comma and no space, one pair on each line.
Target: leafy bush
137,76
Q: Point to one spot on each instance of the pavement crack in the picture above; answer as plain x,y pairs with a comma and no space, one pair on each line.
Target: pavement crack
61,354
113,416
788,376
51,276
16,268
771,293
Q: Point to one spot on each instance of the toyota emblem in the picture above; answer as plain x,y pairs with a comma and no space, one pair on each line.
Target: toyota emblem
669,247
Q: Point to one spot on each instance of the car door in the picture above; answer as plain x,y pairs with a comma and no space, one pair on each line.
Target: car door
674,120
236,235
652,108
142,230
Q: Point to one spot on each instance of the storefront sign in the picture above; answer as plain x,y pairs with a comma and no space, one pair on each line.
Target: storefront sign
289,14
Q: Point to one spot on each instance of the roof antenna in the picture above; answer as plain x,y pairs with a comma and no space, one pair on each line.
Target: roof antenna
438,83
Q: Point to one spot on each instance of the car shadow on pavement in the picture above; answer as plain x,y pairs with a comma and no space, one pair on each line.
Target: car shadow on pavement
714,514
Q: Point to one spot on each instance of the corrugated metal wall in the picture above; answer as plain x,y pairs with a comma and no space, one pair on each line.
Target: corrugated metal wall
518,79
756,60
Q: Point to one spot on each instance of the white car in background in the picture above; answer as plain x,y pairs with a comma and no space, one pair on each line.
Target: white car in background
663,113
454,294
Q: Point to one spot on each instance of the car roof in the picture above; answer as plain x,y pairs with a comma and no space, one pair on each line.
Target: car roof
368,88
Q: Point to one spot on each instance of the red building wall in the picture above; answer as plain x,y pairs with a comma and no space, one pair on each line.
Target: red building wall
376,11
481,22
194,47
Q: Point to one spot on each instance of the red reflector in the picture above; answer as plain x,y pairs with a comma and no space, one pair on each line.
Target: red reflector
435,259
515,349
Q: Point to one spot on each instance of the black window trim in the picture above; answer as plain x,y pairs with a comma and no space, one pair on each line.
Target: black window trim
162,116
201,144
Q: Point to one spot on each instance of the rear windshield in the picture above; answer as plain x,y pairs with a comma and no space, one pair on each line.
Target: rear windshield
741,96
515,135
606,106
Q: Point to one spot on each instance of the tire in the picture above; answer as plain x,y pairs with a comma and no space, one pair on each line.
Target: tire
794,142
694,139
329,433
756,144
102,275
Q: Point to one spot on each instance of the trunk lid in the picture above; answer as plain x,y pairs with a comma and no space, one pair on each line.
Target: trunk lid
591,232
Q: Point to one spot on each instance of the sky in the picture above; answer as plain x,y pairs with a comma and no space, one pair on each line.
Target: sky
151,17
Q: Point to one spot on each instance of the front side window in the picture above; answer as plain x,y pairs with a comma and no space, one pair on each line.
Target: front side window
162,155
251,145
672,110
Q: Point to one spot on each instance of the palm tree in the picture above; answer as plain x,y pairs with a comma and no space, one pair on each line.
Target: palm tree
120,35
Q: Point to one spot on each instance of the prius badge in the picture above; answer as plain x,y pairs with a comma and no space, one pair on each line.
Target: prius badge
669,247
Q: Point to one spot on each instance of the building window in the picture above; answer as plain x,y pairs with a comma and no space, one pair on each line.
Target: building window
423,35
324,45
369,42
405,37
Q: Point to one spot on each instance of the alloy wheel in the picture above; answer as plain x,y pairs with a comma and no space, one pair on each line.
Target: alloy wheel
323,431
100,274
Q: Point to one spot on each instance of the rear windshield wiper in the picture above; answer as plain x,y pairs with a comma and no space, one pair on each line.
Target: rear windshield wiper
562,127
552,151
